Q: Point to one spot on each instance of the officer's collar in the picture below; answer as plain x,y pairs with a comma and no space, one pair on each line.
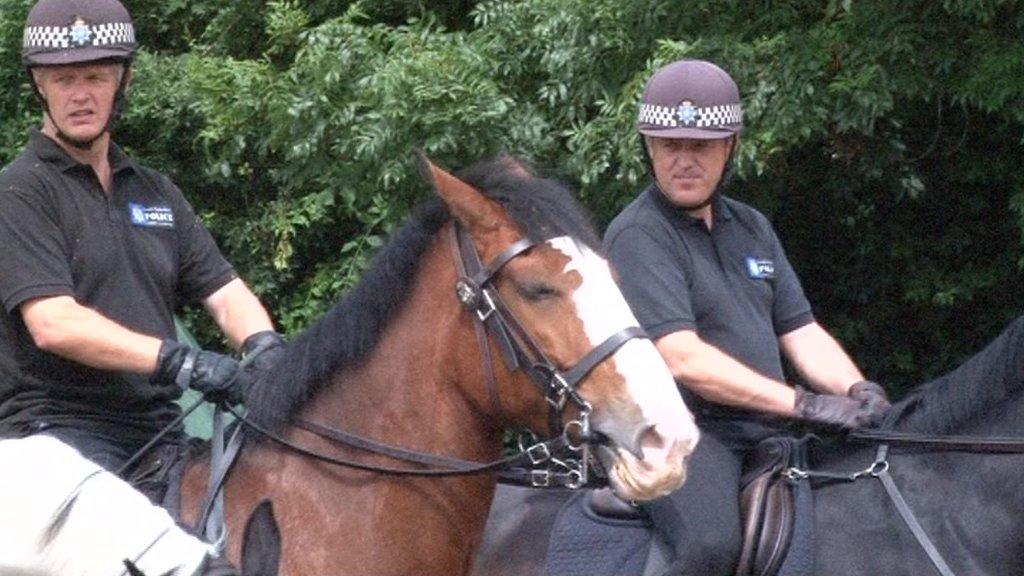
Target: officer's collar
49,151
720,210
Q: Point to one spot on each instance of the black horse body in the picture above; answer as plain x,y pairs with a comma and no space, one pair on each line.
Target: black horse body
970,505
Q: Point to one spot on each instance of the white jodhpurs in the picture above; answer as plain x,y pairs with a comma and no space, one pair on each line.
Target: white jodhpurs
61,514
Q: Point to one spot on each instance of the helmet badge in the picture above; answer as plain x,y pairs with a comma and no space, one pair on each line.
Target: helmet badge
687,113
81,33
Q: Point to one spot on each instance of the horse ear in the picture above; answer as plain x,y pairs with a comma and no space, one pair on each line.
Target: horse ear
465,202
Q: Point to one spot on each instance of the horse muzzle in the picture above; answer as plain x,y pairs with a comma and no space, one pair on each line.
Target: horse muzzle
652,466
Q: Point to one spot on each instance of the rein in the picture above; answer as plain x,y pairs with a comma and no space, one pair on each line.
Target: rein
945,443
880,469
445,466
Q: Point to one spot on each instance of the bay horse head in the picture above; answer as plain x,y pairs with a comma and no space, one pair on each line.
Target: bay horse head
410,363
562,291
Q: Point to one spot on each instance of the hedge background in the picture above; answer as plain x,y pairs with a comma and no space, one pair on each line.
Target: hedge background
884,137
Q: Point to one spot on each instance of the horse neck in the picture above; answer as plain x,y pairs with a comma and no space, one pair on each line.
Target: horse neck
418,386
420,389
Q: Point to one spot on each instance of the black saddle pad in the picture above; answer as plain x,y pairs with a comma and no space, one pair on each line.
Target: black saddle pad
584,544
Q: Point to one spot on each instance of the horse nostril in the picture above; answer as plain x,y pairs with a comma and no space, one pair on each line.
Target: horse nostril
648,440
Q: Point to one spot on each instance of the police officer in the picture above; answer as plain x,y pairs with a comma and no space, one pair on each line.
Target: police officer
709,281
98,252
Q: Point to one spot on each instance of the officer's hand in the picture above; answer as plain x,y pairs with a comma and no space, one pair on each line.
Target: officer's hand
213,374
261,351
872,398
840,411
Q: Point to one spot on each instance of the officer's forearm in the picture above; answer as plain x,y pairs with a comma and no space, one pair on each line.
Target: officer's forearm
820,359
62,326
238,312
718,377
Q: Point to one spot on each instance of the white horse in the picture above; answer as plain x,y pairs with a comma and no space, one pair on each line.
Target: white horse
63,515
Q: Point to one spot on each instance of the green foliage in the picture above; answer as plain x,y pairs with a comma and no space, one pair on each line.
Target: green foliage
17,107
882,136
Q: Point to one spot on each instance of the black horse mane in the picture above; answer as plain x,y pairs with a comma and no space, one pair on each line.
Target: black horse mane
946,406
541,207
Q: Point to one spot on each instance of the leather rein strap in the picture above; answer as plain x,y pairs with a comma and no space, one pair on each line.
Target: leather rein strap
908,515
990,444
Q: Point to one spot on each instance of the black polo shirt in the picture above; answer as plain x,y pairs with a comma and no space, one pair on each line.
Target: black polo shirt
134,256
732,284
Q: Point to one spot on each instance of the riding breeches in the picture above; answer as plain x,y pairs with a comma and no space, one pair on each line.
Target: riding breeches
701,520
61,513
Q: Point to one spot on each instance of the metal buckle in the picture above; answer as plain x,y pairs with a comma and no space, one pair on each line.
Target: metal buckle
558,390
544,456
879,468
468,293
583,436
558,383
483,312
795,474
540,478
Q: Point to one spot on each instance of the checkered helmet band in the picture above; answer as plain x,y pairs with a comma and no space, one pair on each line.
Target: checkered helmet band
79,36
686,115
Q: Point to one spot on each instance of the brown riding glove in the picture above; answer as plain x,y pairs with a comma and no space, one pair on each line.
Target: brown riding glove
872,398
839,411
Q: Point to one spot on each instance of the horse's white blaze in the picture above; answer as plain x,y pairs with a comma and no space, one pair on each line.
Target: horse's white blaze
108,523
603,311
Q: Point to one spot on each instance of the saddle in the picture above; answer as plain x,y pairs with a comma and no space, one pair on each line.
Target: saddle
767,508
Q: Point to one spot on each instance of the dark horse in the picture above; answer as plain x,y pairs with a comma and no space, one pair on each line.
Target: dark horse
954,454
964,490
399,361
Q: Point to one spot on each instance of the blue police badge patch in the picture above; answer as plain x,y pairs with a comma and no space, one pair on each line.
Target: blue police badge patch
151,216
760,269
686,113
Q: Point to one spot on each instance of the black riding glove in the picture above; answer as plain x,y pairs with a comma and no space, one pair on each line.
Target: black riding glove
213,374
260,351
872,398
828,409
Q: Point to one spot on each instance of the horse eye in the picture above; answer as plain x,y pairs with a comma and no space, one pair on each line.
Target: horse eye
537,291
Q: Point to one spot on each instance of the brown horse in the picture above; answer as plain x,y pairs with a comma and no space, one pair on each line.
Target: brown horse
399,361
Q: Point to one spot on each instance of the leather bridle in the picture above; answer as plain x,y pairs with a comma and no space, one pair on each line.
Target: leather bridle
476,291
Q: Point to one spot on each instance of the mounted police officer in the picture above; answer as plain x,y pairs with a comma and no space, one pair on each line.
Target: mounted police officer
709,280
98,252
